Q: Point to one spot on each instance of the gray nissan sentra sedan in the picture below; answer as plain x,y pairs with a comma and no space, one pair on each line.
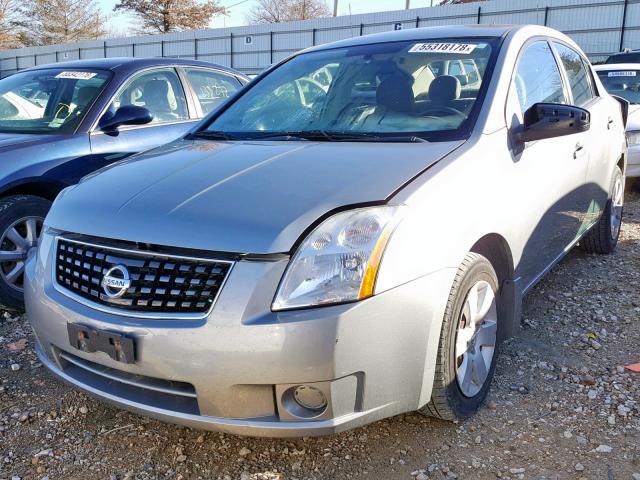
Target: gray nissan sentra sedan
347,239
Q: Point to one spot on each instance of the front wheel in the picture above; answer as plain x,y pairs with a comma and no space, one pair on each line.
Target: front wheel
603,236
21,219
468,342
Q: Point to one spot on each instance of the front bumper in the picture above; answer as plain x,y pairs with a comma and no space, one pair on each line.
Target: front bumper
370,358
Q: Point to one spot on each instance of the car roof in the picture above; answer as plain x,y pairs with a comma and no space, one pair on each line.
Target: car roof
450,31
131,64
617,66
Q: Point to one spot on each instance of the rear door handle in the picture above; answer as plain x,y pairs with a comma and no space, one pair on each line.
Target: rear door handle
609,123
579,147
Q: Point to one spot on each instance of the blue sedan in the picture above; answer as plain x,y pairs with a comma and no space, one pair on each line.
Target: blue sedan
62,121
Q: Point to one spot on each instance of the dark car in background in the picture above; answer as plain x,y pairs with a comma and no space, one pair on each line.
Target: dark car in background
628,56
62,121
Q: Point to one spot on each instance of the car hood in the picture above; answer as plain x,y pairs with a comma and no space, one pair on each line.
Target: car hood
9,141
243,197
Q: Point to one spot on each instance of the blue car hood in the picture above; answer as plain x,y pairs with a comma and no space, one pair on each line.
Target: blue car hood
9,141
244,197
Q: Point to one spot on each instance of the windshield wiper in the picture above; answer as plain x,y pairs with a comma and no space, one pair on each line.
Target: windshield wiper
323,135
211,135
312,135
372,137
304,135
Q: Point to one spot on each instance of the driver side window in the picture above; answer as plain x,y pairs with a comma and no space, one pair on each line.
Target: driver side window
537,78
159,91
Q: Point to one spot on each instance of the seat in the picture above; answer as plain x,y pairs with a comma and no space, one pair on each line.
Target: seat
444,90
395,93
85,96
155,95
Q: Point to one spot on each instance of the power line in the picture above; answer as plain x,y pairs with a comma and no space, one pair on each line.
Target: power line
237,3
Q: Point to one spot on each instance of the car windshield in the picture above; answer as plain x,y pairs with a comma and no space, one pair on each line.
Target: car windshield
48,101
624,83
429,89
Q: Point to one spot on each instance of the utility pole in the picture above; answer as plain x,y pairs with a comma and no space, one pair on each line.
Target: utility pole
335,8
408,5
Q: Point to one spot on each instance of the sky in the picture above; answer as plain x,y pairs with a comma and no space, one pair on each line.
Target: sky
238,9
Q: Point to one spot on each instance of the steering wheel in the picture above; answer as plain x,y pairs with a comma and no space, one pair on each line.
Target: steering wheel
312,83
443,109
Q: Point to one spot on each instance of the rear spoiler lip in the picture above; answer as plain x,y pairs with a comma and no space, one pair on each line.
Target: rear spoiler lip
624,107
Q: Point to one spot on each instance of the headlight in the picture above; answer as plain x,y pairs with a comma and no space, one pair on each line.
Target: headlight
633,137
339,260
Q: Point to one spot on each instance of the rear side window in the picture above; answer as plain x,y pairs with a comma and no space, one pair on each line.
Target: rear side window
579,80
211,87
537,78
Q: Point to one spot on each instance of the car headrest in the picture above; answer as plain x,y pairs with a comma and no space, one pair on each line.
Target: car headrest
396,93
155,93
444,89
85,95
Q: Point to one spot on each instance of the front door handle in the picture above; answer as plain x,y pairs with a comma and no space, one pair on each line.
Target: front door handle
579,147
609,123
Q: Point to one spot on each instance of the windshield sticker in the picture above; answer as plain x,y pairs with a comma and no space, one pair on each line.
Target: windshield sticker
76,75
630,73
465,48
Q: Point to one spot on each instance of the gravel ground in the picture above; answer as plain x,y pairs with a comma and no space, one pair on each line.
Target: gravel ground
561,406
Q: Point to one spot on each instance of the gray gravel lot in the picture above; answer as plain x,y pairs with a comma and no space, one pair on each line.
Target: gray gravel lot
561,406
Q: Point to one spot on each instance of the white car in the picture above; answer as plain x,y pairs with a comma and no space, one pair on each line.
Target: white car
348,238
15,107
623,80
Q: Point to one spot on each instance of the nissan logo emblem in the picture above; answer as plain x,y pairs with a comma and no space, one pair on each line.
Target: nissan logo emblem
116,281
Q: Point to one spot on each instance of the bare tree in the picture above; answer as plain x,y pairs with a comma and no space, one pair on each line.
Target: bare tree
276,11
162,16
9,28
48,22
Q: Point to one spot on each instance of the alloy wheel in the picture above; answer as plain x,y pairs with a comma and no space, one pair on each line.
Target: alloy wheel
476,338
15,243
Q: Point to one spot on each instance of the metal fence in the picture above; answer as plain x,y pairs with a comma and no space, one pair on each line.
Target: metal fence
599,27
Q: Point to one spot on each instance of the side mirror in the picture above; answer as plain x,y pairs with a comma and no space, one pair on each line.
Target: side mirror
125,115
549,120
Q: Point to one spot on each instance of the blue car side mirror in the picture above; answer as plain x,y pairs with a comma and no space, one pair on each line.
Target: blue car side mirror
125,115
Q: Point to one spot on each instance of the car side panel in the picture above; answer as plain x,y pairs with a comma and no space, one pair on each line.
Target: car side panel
126,141
61,161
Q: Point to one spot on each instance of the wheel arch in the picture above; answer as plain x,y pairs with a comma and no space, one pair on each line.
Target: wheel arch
36,187
495,248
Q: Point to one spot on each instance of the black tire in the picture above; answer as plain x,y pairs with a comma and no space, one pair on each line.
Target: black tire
602,238
12,210
448,402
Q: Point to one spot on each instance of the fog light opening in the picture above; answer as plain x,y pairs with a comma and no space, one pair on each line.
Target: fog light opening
304,401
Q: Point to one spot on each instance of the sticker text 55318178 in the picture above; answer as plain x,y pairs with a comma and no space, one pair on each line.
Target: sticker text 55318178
464,48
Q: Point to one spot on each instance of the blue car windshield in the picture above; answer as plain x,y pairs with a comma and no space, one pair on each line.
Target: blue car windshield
425,88
48,100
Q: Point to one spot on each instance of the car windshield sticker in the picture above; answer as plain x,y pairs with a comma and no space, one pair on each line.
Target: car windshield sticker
629,73
76,75
465,48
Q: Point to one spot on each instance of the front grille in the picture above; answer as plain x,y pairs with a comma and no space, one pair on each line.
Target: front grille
159,283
